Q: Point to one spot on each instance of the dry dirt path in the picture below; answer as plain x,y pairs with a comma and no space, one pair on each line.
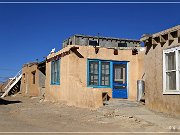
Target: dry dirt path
22,114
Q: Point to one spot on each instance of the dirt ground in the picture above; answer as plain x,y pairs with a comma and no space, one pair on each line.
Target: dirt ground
22,115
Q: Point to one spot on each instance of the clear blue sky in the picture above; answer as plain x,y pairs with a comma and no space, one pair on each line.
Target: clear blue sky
30,31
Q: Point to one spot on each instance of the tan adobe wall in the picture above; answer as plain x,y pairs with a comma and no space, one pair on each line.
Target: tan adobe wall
27,86
2,85
73,76
154,80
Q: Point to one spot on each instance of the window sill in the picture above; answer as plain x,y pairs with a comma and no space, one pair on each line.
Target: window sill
55,83
98,86
171,93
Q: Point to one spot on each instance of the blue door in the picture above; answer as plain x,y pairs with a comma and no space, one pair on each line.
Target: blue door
119,89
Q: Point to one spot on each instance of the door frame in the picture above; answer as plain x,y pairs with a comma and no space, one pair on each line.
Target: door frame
127,75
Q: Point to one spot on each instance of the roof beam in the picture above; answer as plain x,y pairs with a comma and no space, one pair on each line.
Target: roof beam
162,40
170,37
178,33
154,42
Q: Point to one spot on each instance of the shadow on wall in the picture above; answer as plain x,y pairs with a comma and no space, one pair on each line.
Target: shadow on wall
148,47
6,102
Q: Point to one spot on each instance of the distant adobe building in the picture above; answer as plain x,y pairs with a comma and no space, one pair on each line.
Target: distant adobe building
33,79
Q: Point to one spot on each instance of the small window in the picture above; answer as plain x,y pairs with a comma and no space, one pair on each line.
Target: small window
122,44
93,73
34,77
70,43
105,73
93,42
24,78
99,73
171,71
120,73
55,75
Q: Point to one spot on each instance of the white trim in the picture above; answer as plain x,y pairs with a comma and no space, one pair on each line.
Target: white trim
171,92
177,71
164,73
177,91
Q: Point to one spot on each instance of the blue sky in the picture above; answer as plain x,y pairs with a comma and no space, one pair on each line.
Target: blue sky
30,31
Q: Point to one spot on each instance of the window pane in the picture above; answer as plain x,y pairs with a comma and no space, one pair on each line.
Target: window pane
170,80
120,73
93,73
93,42
96,71
105,76
170,61
55,72
122,44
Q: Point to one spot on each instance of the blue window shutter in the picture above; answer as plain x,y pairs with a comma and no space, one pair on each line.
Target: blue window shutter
52,72
58,71
93,73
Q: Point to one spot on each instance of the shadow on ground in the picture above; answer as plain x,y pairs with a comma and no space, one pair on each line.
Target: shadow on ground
6,102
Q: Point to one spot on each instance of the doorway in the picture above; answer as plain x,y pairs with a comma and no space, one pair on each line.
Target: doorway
119,83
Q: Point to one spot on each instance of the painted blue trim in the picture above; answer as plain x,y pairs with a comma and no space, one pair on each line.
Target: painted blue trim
101,72
99,75
51,72
127,81
87,74
90,86
88,61
116,93
120,93
111,74
58,72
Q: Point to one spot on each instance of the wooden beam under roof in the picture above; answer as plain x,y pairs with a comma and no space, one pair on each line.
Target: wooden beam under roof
154,42
170,37
162,39
178,33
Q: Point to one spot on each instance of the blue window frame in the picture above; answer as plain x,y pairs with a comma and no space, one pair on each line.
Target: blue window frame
105,73
94,73
55,74
98,73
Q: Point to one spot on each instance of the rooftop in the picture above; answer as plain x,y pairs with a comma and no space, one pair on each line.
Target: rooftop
102,37
163,32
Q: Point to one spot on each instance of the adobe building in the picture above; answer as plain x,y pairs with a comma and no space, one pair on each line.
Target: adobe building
33,79
162,70
89,70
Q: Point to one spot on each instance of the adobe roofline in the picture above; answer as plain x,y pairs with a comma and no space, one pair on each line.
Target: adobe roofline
102,37
34,63
163,32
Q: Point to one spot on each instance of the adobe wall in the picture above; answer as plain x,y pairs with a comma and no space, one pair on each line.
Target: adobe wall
27,86
2,86
154,97
103,42
73,76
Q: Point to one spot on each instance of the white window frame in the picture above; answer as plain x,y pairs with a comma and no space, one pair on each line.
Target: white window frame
177,91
